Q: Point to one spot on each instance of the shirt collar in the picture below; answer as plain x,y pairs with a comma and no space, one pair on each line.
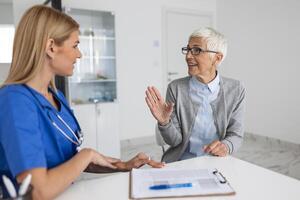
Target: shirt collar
43,101
212,86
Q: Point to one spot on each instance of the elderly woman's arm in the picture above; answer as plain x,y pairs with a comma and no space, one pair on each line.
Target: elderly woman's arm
171,132
235,130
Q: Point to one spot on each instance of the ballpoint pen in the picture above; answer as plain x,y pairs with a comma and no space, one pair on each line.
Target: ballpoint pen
9,186
24,186
170,186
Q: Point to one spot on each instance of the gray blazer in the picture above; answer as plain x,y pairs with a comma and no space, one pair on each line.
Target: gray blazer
228,111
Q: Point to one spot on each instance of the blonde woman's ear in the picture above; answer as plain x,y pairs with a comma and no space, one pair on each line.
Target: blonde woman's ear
50,49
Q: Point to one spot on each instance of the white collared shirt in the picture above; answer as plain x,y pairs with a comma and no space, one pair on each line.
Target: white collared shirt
204,130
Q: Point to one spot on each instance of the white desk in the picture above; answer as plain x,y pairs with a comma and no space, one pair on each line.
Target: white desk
249,181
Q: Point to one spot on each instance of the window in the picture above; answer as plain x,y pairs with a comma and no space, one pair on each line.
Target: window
7,32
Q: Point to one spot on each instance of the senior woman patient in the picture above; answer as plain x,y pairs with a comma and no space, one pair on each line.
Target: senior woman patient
203,112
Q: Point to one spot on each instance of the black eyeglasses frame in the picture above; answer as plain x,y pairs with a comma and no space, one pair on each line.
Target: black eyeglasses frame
185,50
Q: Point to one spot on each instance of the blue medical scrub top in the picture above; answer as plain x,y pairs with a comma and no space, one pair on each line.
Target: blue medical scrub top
28,138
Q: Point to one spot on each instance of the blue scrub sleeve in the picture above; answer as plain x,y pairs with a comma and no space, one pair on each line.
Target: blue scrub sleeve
21,137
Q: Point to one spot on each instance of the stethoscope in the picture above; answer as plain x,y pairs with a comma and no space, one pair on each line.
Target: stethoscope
78,135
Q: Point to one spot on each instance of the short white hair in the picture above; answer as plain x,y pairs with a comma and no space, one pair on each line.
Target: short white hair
215,40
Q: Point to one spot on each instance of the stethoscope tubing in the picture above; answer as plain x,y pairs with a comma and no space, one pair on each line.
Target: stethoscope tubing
78,137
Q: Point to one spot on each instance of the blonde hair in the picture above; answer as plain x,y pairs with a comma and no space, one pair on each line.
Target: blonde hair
38,24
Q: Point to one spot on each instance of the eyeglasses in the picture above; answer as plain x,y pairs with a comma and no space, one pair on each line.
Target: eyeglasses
195,50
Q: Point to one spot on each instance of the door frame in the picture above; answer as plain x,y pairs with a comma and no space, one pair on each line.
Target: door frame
185,11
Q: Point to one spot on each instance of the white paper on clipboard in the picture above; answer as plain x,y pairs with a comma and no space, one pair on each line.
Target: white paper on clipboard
205,182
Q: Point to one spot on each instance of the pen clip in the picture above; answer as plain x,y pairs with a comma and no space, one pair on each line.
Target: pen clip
219,176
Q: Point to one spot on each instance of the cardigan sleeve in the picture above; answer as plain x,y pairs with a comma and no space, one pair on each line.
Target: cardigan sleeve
171,132
235,129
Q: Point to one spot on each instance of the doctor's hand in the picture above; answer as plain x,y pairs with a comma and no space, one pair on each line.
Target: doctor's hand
105,164
160,110
216,148
105,161
139,160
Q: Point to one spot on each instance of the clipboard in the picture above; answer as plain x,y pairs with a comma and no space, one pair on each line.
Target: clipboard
164,183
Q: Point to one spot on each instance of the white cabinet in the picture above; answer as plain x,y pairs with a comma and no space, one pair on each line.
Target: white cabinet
86,116
94,78
99,124
108,141
92,90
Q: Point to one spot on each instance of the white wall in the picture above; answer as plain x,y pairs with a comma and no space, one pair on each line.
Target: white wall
6,17
19,7
6,14
4,67
264,41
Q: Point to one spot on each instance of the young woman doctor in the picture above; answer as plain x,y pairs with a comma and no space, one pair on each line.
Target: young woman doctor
38,132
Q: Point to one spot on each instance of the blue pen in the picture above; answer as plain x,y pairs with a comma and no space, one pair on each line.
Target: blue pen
170,186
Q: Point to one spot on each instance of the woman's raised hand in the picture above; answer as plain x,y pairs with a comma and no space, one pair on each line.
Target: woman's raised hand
160,110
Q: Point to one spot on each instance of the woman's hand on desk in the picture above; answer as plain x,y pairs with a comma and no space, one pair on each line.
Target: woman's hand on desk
112,160
105,161
141,159
160,110
119,166
216,148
